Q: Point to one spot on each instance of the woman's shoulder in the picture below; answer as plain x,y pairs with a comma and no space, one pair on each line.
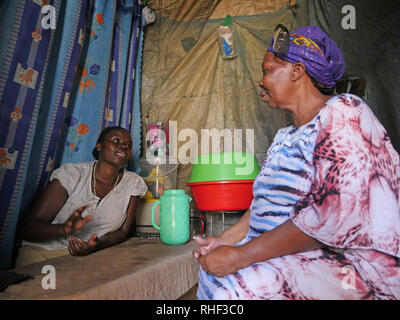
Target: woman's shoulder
72,171
133,177
347,115
345,101
75,167
137,183
70,174
283,131
344,107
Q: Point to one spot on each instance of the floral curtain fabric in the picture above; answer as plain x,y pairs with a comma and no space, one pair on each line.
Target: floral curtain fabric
59,87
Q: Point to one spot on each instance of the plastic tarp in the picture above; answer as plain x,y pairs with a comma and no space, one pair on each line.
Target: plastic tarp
186,80
195,10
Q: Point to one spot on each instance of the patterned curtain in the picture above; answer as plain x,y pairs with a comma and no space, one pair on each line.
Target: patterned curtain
106,81
59,87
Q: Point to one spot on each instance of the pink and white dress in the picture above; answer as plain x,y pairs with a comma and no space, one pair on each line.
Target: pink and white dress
338,179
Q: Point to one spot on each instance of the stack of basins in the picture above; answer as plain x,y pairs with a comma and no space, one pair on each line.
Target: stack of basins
222,187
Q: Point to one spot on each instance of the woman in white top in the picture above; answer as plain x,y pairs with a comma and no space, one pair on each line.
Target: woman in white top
87,206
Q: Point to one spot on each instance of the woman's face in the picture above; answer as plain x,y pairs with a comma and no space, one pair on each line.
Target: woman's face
116,148
275,84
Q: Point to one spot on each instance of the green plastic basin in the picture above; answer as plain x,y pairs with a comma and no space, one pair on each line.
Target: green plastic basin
224,166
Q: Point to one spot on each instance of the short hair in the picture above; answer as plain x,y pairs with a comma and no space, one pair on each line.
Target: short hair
102,136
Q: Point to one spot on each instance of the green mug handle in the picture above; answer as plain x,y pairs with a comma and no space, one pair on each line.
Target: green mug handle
152,215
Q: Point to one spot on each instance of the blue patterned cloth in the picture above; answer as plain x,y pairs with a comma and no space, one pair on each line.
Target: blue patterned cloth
284,177
34,94
58,89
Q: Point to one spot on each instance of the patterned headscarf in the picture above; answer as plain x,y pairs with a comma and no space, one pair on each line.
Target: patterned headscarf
321,56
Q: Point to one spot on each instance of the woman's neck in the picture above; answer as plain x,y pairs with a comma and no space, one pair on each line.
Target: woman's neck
307,106
106,173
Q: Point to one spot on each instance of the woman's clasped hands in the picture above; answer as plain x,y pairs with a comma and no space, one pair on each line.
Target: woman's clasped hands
216,257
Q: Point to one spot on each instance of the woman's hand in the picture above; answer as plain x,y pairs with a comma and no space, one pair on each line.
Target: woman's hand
283,240
78,247
221,261
206,245
216,257
229,237
75,222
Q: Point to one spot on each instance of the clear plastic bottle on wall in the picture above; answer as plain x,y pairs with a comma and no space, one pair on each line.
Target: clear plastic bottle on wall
226,39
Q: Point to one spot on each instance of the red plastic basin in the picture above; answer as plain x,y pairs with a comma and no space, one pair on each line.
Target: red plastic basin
222,195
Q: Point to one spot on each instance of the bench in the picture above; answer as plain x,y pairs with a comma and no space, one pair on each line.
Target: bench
137,269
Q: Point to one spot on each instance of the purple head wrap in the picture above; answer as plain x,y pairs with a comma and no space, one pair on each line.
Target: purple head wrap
321,56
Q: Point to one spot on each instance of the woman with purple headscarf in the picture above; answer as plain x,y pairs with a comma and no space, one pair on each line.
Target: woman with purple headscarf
325,219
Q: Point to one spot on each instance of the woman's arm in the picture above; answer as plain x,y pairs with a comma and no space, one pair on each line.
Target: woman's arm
237,232
37,227
78,247
113,238
283,240
230,236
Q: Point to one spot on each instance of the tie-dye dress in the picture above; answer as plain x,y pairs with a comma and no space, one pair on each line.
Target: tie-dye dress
337,178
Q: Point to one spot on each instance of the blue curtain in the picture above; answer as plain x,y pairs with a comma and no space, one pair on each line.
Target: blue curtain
58,89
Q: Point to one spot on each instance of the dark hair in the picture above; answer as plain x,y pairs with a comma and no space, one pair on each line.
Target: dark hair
325,91
101,138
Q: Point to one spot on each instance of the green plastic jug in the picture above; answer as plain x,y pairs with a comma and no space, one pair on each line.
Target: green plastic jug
174,216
